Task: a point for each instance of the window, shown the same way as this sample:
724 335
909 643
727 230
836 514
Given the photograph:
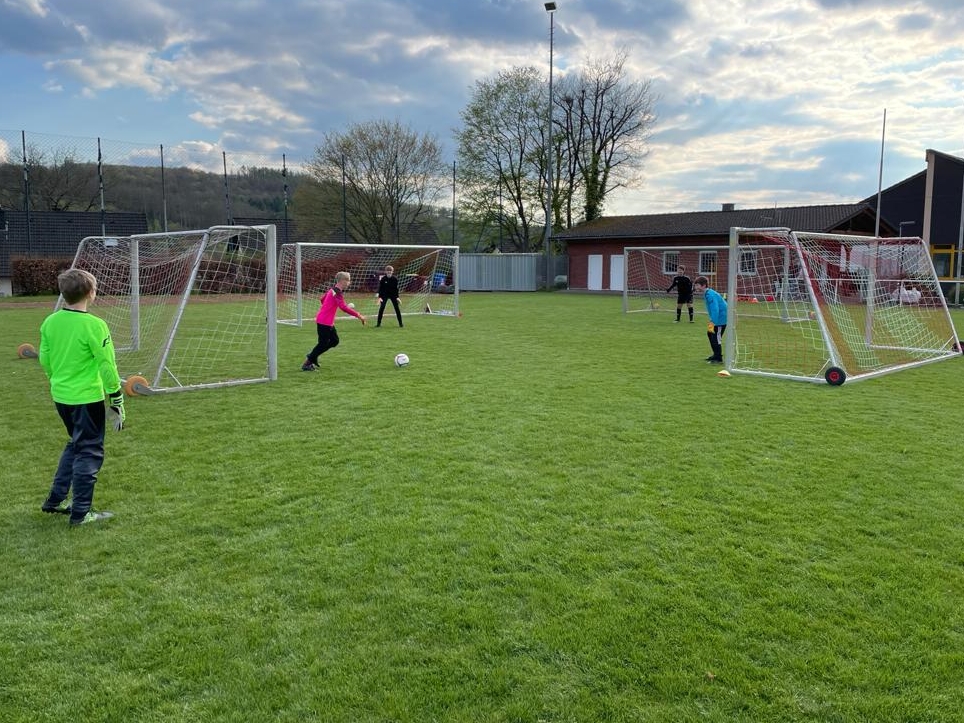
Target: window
943 261
707 263
670 262
748 263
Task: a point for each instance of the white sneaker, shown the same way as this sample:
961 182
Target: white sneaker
93 516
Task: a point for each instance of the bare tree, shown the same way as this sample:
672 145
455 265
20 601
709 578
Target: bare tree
388 174
603 123
61 183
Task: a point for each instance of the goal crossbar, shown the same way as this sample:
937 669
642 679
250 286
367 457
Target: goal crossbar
189 309
427 277
833 307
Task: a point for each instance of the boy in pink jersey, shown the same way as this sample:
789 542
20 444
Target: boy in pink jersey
331 302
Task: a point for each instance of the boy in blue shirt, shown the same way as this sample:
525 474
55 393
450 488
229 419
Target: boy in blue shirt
716 308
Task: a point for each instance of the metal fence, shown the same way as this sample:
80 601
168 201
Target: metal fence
173 186
186 186
510 272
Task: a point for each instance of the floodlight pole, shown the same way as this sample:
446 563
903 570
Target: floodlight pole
880 174
551 9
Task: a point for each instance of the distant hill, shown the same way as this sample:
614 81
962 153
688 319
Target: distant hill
190 198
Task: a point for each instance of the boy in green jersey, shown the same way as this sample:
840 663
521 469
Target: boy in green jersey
77 355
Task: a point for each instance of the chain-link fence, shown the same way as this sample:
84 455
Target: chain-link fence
115 188
190 185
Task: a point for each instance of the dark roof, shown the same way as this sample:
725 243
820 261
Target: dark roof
57 233
717 223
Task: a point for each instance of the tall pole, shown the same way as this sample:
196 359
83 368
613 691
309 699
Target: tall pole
960 249
100 183
284 176
227 192
551 9
880 175
163 190
26 187
344 201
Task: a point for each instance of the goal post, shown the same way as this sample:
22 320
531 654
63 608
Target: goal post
189 309
833 307
427 278
649 270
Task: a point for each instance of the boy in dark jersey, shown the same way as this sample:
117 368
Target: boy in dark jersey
684 292
388 291
77 356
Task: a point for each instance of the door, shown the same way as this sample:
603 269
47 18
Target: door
616 265
594 282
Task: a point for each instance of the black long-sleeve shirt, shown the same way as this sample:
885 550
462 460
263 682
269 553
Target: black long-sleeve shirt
682 284
388 287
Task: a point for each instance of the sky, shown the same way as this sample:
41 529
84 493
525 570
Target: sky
759 102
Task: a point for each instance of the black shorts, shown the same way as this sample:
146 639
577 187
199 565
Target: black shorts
684 298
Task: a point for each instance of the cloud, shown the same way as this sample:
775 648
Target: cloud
758 100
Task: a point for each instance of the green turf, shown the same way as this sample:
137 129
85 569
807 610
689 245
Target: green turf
557 512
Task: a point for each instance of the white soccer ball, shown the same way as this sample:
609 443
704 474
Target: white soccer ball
401 360
351 306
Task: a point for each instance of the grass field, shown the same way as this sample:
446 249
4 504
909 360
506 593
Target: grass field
557 512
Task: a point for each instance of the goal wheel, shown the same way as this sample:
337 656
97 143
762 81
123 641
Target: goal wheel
835 376
136 385
26 351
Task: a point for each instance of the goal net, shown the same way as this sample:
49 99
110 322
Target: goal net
831 307
649 271
188 309
427 278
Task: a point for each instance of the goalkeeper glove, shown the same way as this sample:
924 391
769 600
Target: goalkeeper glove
115 412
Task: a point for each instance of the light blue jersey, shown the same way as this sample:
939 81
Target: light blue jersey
715 307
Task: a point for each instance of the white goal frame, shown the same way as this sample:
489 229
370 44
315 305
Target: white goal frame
649 270
188 309
828 307
428 278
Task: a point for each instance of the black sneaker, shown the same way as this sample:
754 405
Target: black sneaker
61 508
711 357
714 360
308 367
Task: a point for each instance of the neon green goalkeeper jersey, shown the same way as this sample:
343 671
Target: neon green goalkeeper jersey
77 354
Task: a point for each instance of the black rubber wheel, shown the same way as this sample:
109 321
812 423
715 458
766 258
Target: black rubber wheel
835 376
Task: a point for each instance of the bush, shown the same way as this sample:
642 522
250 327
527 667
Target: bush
36 276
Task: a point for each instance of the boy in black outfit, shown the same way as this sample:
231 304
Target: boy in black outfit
684 292
388 291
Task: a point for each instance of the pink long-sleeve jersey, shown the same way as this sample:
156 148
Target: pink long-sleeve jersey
331 302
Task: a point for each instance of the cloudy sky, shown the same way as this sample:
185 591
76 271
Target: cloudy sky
761 102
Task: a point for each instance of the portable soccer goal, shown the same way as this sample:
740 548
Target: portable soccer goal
189 309
427 278
649 271
832 307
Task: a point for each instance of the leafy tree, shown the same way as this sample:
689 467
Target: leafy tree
501 167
